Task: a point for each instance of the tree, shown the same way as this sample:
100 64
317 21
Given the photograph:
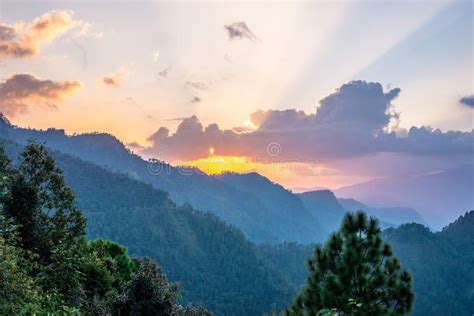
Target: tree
355 273
106 268
149 293
19 293
41 204
17 287
50 227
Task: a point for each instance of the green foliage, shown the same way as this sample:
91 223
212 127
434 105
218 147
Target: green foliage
115 259
17 287
20 293
356 273
47 267
50 227
147 293
442 265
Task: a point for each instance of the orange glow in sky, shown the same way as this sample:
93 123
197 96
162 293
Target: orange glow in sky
220 164
290 174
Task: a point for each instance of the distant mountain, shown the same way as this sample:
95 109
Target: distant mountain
215 264
257 218
303 189
442 265
287 209
440 197
461 233
324 206
389 216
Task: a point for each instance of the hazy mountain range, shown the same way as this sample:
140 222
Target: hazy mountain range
439 197
239 199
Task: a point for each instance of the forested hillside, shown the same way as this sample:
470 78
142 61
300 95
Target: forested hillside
213 262
255 217
324 206
48 267
441 263
287 210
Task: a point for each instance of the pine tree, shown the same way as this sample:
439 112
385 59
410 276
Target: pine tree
355 273
41 204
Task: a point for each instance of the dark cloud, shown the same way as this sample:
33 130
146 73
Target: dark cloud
239 30
358 103
21 91
468 101
241 129
191 140
349 123
164 72
195 99
6 32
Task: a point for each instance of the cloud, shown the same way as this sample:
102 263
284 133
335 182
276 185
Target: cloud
468 101
164 72
352 122
196 99
114 79
239 30
6 32
198 85
358 103
179 119
26 39
85 30
134 146
131 101
22 91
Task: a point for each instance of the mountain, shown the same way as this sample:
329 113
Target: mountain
442 265
303 189
214 263
439 196
235 205
461 234
389 216
287 209
324 206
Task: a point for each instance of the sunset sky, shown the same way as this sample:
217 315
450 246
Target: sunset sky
315 94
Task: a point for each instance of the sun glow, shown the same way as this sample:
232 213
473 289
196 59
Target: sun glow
213 165
289 173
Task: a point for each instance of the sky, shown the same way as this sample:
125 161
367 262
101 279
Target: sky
310 94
